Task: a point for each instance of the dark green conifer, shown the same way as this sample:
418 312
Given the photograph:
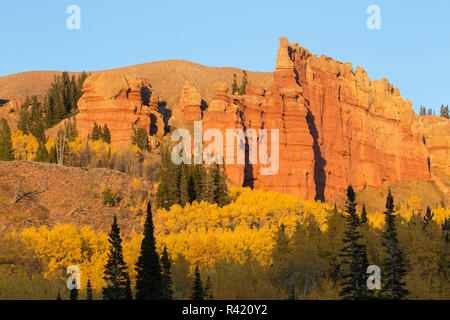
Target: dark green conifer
6 150
106 134
148 280
244 82
364 214
116 273
234 86
89 290
428 217
96 132
166 276
394 269
197 287
354 255
74 294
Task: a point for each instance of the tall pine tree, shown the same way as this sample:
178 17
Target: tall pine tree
6 150
115 274
197 287
149 284
394 267
89 295
166 276
354 255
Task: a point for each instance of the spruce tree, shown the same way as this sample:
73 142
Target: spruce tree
6 150
168 192
244 82
106 134
208 186
234 86
58 297
74 294
364 214
394 267
185 185
197 287
166 276
42 154
354 255
89 290
208 289
428 217
149 284
96 132
115 274
128 293
221 195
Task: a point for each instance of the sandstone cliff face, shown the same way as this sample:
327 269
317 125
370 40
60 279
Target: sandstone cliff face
337 127
189 107
437 140
118 101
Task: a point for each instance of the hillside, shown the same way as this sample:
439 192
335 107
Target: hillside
51 194
167 77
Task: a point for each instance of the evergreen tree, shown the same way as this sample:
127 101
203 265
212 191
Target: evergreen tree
244 82
140 138
282 269
208 186
221 195
149 284
234 86
42 154
422 111
445 112
6 150
53 155
185 185
106 135
166 276
394 267
428 217
364 214
208 289
353 253
96 132
89 290
168 192
128 293
74 294
58 297
115 274
197 288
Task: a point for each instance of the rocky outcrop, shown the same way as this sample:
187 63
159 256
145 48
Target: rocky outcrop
120 102
336 127
189 107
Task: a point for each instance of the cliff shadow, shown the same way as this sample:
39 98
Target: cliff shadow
166 115
320 177
145 95
249 178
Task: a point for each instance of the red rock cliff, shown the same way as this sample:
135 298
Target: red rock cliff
337 127
119 101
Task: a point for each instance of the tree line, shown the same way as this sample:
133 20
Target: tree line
153 280
182 184
444 111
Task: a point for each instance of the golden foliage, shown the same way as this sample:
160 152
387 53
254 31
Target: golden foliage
24 146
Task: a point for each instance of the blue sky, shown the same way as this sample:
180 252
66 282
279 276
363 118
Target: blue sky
411 49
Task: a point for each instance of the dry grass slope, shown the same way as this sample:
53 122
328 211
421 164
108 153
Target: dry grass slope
51 194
